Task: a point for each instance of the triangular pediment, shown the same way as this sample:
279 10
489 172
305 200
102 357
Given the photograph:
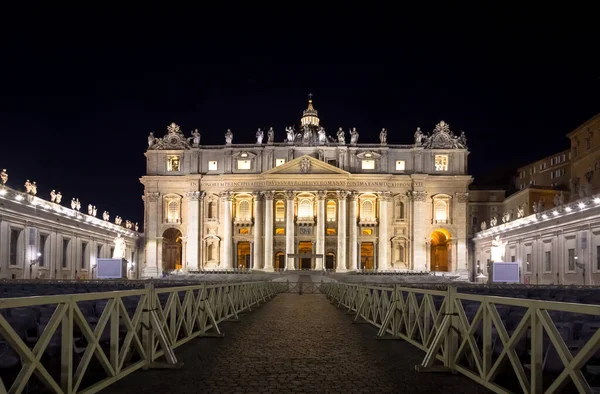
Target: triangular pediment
306 165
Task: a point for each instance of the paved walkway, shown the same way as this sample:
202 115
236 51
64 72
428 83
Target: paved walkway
295 344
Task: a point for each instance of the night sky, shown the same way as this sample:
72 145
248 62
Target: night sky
78 99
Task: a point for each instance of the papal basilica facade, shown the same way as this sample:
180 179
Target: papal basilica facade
307 201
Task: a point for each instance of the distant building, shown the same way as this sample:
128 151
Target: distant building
46 240
306 200
585 153
551 172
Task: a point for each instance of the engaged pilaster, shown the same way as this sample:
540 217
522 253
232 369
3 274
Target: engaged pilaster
289 229
384 242
152 268
321 219
257 228
268 245
341 249
353 232
420 236
192 200
226 199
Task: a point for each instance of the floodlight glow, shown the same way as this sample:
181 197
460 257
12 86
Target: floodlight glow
555 213
568 209
581 205
544 216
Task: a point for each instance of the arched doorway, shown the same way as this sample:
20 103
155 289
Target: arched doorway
243 254
440 250
171 250
330 261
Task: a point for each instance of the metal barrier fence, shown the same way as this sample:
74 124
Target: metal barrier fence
436 322
299 287
131 330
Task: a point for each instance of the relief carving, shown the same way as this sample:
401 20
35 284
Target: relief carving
153 196
462 197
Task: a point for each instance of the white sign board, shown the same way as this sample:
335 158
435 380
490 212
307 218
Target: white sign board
111 269
506 272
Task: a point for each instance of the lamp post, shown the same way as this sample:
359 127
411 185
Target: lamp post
32 263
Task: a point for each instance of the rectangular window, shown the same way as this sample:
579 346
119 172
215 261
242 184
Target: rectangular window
99 252
528 262
332 162
330 231
548 261
512 259
478 267
65 253
244 231
112 253
598 258
84 250
173 163
441 162
367 231
42 250
368 164
279 162
571 259
400 165
244 164
14 242
212 165
280 231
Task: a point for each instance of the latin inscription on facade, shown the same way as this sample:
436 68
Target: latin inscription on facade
229 184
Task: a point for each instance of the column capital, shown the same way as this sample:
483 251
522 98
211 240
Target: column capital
153 196
321 194
417 195
289 194
385 196
462 197
342 194
226 196
195 196
353 196
257 196
269 194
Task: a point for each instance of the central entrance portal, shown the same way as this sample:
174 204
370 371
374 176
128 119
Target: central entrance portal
366 256
243 254
304 247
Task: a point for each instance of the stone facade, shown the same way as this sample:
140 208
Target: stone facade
43 239
312 201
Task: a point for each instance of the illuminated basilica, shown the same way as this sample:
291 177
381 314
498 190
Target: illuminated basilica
304 199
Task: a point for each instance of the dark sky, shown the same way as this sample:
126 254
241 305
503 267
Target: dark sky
80 93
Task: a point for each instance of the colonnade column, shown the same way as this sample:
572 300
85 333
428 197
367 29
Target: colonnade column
268 245
320 228
353 242
257 228
341 248
201 233
226 199
420 236
383 255
289 229
193 221
152 213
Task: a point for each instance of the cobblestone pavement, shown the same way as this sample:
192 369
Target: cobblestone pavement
295 344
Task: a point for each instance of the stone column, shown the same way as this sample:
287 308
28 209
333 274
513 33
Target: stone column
353 232
420 236
257 228
341 247
227 261
289 229
268 245
460 218
184 253
201 232
193 222
153 215
321 221
384 245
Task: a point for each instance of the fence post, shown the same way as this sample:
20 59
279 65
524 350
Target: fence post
451 342
147 334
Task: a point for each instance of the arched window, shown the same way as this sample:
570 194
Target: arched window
441 211
367 210
212 210
244 213
173 212
331 211
305 209
279 211
399 210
